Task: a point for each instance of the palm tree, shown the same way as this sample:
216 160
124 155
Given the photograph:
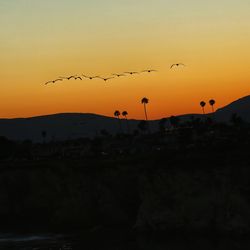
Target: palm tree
125 113
145 101
203 104
117 114
212 102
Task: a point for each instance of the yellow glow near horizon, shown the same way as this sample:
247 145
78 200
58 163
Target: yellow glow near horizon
43 40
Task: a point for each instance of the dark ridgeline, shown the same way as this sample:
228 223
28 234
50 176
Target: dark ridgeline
142 126
174 121
191 175
162 125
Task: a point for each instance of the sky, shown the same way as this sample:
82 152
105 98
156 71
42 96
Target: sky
42 40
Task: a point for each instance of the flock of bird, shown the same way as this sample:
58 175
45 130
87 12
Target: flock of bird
77 77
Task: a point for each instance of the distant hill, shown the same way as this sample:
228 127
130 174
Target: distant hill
74 125
62 126
240 107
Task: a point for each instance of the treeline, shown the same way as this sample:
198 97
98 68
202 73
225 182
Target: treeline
171 134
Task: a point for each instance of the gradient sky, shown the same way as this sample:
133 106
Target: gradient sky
41 40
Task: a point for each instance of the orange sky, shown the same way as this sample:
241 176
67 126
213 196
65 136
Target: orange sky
42 40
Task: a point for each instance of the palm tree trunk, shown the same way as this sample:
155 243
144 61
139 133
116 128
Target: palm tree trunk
146 116
212 108
203 110
145 110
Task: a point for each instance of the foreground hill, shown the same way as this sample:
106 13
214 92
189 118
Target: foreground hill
167 184
193 179
74 125
60 126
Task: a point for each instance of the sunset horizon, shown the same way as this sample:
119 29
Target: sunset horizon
42 41
141 116
124 124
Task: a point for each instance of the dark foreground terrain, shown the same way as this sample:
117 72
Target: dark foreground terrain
192 178
113 241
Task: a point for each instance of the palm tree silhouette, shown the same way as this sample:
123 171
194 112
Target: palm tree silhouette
145 101
203 104
212 102
117 114
125 113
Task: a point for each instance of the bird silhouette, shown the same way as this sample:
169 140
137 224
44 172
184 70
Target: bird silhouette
118 75
67 77
106 79
78 77
91 77
53 81
177 65
149 70
131 72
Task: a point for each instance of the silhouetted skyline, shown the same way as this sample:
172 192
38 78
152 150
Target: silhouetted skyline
44 40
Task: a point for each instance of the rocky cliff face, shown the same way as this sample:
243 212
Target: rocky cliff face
144 197
62 196
199 200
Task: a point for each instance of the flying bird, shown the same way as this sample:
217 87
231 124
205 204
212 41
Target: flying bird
177 65
118 75
106 79
78 77
91 77
149 70
131 72
67 77
53 81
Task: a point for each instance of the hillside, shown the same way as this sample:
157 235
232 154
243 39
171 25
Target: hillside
62 126
74 125
241 107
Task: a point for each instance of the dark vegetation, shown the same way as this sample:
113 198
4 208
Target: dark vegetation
192 176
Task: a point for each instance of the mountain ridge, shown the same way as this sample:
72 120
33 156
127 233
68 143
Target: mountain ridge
62 126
